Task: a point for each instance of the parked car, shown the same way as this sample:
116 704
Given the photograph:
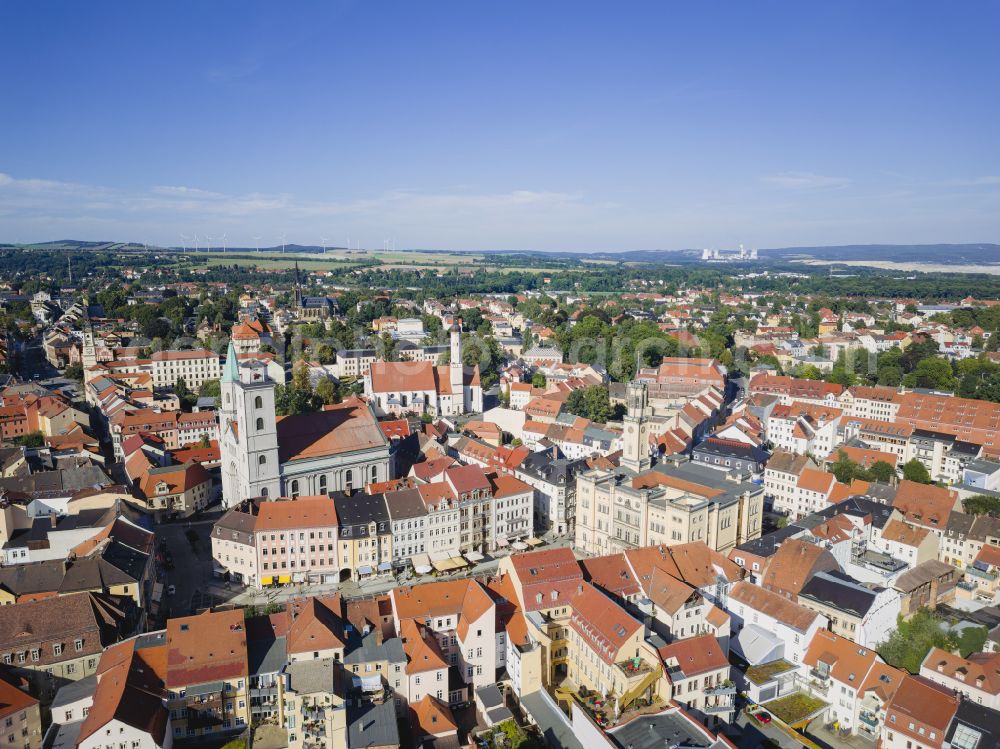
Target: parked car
763 717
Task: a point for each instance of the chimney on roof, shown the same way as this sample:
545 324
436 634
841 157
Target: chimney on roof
53 518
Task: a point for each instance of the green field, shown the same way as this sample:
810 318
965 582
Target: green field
266 260
334 259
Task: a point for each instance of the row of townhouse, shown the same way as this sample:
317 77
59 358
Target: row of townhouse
323 539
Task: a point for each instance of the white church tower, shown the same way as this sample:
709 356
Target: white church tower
249 437
456 369
635 442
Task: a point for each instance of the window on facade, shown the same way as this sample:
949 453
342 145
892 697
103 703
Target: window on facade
294 489
260 424
322 484
258 402
349 479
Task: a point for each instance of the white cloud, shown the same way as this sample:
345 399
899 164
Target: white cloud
805 181
988 180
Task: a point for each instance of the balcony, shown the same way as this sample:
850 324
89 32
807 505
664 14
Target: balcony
721 708
819 681
869 719
720 689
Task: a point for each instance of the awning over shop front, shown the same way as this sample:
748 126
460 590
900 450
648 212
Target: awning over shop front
439 556
364 569
502 542
421 563
473 556
452 563
284 579
519 545
266 580
532 541
384 567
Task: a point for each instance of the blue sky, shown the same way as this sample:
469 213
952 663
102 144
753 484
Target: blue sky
515 125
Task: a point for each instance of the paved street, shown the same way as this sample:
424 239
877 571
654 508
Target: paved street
192 572
32 364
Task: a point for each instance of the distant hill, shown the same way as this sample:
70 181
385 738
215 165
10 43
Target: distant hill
952 254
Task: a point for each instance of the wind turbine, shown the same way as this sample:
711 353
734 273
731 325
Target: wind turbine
283 237
224 235
256 241
184 242
195 242
208 243
323 240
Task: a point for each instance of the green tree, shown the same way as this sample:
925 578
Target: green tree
908 645
327 391
538 380
981 504
591 403
890 375
210 389
880 471
300 377
932 372
32 439
843 468
471 318
914 470
74 372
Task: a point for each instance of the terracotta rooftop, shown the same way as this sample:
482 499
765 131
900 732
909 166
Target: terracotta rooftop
342 428
206 647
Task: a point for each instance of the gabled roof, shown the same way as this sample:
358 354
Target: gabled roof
848 662
127 691
344 427
303 512
978 671
316 624
433 717
206 647
602 624
926 504
548 577
612 574
695 655
793 564
421 647
773 605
